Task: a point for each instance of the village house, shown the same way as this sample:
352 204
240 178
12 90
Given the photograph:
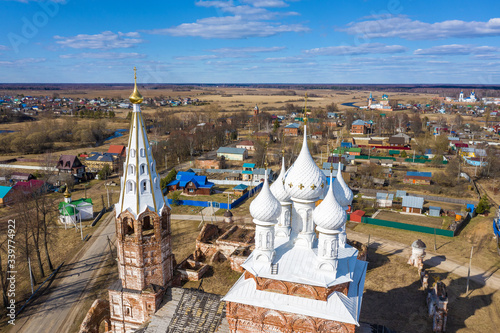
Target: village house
412 204
396 141
96 162
232 154
117 150
247 144
70 164
263 136
360 127
419 178
291 130
191 184
6 195
247 172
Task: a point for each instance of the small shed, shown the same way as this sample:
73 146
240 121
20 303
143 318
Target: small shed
400 194
356 216
413 204
385 199
240 189
434 211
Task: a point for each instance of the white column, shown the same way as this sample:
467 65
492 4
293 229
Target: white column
302 223
264 242
328 247
285 220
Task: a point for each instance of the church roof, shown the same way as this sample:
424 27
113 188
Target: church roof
338 307
342 192
305 180
329 215
265 207
278 187
140 183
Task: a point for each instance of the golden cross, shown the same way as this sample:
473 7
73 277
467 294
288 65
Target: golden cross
322 185
290 185
313 186
301 186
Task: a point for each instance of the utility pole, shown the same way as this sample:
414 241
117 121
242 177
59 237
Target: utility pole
107 191
468 272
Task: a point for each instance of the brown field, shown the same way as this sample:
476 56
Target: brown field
427 221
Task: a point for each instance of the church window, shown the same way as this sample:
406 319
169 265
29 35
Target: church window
130 186
131 169
132 152
146 224
143 152
143 169
129 226
128 311
144 186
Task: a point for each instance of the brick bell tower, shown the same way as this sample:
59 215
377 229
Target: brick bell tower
145 259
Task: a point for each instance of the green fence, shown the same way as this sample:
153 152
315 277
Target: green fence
411 160
409 227
366 157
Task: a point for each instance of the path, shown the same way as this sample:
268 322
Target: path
488 278
55 311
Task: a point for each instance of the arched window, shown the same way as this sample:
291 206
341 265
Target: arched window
146 224
132 152
143 152
143 169
129 226
130 186
144 186
131 169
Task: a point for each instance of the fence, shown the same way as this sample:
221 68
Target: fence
409 227
221 205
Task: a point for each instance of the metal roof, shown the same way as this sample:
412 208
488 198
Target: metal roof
418 174
230 150
413 202
4 190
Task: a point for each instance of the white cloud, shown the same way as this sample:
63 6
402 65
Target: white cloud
22 62
244 21
103 55
197 57
404 27
104 41
250 49
457 49
3 48
287 60
266 3
229 27
26 1
368 48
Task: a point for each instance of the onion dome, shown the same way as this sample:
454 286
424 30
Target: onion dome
135 97
265 207
329 215
342 192
304 180
418 244
278 187
67 193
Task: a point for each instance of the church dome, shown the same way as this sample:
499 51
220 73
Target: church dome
329 215
278 187
304 180
342 192
265 207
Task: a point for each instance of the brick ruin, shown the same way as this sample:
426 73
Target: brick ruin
98 314
220 242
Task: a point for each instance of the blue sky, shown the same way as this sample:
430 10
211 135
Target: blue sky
250 41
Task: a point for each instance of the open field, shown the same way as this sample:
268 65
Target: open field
427 221
392 284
